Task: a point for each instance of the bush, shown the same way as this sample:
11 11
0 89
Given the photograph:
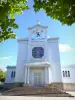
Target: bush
19 84
2 75
3 87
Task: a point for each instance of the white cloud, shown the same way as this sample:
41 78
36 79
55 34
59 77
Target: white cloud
48 36
3 67
5 58
64 48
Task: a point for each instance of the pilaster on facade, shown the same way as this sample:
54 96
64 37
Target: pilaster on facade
46 75
28 75
25 75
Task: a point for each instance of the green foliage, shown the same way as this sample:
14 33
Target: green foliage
8 9
62 10
2 75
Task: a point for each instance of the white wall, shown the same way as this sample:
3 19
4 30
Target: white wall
70 79
10 79
54 59
51 54
21 60
31 46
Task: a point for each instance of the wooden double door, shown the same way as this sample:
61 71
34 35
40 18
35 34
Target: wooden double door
38 77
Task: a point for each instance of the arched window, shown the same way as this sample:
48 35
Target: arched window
68 73
13 74
63 74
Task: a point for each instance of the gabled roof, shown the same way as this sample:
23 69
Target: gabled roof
38 24
11 67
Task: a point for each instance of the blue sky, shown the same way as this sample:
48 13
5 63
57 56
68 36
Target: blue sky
9 48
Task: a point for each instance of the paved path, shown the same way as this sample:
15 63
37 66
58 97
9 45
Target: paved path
34 98
72 93
37 98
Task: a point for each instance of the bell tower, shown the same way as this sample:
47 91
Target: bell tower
37 34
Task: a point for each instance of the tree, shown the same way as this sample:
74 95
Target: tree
2 75
8 9
62 10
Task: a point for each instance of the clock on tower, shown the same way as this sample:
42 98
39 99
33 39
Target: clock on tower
37 42
38 31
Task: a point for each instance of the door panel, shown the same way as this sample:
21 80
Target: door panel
37 77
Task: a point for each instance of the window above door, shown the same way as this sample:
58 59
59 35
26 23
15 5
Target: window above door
37 52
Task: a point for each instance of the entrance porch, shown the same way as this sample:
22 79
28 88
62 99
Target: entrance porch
37 74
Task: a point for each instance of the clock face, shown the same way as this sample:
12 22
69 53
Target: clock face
37 52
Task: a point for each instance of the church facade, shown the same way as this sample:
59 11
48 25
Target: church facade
38 60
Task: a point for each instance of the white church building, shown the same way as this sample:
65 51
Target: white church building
38 62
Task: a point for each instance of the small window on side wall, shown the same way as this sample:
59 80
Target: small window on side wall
66 73
13 74
63 74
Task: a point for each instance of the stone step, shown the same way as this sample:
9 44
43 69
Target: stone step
37 91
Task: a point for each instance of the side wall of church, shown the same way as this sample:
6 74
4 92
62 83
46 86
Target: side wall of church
68 77
9 78
21 59
54 59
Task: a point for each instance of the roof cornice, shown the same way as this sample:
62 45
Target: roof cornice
42 39
11 67
30 28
